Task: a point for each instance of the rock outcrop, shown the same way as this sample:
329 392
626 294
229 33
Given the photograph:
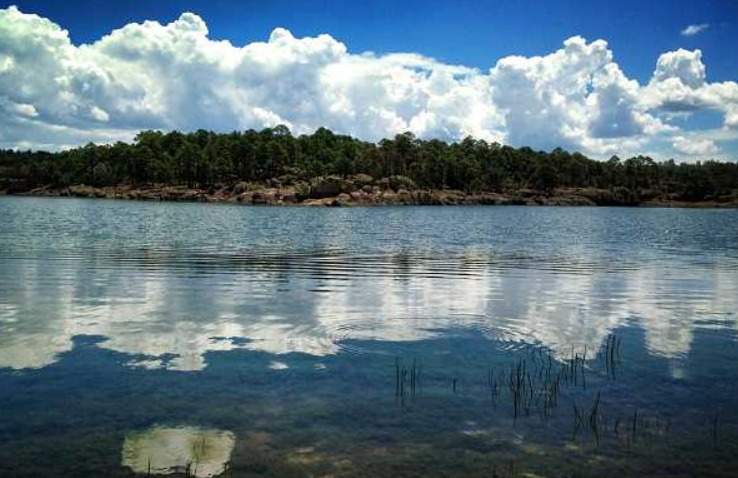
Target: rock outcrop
363 190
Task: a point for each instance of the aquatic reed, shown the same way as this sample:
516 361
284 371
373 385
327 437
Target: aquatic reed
407 378
714 424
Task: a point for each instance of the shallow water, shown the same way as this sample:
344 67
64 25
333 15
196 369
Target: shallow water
368 341
163 451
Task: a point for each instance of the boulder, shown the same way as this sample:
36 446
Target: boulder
330 186
316 202
426 198
388 197
402 182
81 191
285 180
240 188
343 199
362 180
383 184
405 197
396 183
288 198
258 199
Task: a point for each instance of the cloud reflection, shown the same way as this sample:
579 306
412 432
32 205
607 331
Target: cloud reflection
294 306
194 451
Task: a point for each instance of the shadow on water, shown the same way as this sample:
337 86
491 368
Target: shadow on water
461 406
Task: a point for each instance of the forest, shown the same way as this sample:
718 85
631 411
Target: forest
204 159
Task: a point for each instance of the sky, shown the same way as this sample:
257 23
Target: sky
600 77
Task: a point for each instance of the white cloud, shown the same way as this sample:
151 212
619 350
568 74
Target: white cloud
731 116
698 147
679 87
682 65
692 30
148 75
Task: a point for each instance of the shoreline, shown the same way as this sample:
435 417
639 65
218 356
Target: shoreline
342 193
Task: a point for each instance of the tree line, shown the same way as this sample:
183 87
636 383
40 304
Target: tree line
204 159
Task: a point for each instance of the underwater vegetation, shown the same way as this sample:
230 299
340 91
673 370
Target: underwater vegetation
399 411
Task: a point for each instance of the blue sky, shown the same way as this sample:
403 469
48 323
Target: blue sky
469 32
473 34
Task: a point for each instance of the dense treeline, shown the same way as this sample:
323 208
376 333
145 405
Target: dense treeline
205 159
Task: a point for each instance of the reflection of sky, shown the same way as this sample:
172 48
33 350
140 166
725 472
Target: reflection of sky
160 312
161 279
194 451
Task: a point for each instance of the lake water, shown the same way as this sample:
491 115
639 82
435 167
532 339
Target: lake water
414 341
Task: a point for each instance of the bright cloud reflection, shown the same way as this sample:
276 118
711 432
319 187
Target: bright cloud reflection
160 313
194 451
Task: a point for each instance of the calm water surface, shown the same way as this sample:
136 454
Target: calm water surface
147 338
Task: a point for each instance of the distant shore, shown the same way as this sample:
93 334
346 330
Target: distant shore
337 192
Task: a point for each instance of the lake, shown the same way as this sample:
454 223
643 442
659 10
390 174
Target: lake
151 338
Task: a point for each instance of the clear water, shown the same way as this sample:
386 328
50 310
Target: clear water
482 341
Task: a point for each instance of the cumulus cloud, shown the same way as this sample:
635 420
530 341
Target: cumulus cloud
54 94
679 86
692 30
698 147
681 65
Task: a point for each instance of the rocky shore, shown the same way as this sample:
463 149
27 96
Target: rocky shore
362 190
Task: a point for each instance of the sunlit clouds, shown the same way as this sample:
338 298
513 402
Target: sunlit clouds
54 94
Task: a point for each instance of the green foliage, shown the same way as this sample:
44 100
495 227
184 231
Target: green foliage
205 159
